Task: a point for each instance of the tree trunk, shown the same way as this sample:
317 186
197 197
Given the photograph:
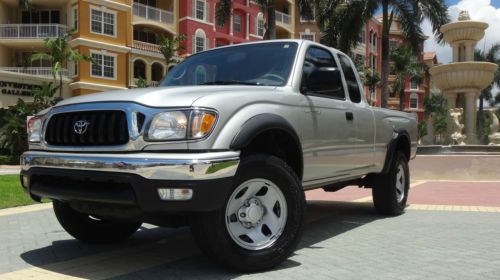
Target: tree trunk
385 53
60 85
271 24
480 119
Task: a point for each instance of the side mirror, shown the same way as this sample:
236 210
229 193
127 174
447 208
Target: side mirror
323 80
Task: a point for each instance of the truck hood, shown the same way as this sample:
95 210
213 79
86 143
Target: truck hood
162 96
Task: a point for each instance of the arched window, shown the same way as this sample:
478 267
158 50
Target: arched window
139 69
260 24
199 41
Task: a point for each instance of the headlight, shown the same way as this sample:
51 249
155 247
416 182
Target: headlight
168 126
181 125
35 130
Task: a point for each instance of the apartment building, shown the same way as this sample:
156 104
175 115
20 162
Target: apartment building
121 35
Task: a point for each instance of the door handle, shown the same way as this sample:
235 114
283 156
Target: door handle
349 116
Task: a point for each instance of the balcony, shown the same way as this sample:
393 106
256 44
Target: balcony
144 14
146 49
42 72
29 34
284 19
31 31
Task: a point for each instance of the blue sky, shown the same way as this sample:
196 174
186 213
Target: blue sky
495 3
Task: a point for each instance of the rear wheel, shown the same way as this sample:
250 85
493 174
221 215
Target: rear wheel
90 229
261 221
390 191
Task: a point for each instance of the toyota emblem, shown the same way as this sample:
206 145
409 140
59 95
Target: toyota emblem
80 127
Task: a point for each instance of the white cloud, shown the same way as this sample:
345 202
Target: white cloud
480 10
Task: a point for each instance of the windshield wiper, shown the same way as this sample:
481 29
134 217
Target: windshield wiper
232 82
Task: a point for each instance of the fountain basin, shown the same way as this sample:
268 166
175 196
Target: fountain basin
463 75
463 31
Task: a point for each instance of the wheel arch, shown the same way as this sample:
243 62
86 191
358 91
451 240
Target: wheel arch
399 142
273 134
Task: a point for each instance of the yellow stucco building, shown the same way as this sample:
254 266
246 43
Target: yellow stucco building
115 33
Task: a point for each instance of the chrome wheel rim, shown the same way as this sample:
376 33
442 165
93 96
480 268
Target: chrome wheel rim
256 214
400 183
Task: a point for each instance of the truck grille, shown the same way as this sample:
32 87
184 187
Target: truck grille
87 128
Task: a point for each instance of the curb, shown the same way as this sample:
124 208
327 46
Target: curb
458 150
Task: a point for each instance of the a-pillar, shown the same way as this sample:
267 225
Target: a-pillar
470 116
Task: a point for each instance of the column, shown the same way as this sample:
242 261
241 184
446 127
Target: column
148 73
469 51
455 53
231 23
452 99
470 116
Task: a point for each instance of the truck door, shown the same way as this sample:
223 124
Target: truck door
327 131
362 116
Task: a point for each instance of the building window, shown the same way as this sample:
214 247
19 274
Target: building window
414 84
75 18
373 62
311 17
103 22
260 24
104 66
361 37
307 36
237 23
414 101
200 9
393 45
199 41
374 42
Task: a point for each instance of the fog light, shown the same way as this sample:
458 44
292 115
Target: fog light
26 181
175 194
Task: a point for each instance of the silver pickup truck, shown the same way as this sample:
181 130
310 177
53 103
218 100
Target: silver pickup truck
227 144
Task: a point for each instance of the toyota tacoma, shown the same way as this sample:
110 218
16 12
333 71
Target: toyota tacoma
227 144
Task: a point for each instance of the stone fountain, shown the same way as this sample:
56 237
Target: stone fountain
462 80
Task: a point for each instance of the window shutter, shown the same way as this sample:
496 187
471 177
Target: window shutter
193 3
207 12
193 43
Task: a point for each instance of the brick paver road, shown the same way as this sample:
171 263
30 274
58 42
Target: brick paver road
450 231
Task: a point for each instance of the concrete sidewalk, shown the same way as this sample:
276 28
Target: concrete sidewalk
9 169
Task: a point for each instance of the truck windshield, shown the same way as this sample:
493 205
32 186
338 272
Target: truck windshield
265 64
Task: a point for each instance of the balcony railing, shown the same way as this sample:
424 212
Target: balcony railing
283 18
31 31
35 71
153 13
143 46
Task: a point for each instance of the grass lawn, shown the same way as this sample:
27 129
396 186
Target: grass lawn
11 192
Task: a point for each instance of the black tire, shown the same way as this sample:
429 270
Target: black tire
90 230
386 195
211 233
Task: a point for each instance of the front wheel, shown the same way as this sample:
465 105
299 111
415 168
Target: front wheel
261 222
90 229
390 191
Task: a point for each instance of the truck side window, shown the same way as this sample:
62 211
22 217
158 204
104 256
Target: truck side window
350 79
320 58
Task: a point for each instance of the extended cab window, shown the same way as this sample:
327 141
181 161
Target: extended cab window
315 59
350 79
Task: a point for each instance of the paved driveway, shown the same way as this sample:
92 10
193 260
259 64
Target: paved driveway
450 231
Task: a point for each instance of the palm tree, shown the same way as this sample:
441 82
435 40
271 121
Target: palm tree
59 53
267 6
342 21
169 47
404 66
493 56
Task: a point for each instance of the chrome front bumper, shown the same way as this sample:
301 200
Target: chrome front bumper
160 166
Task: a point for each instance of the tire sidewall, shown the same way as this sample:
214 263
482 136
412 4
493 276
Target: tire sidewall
400 160
276 171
